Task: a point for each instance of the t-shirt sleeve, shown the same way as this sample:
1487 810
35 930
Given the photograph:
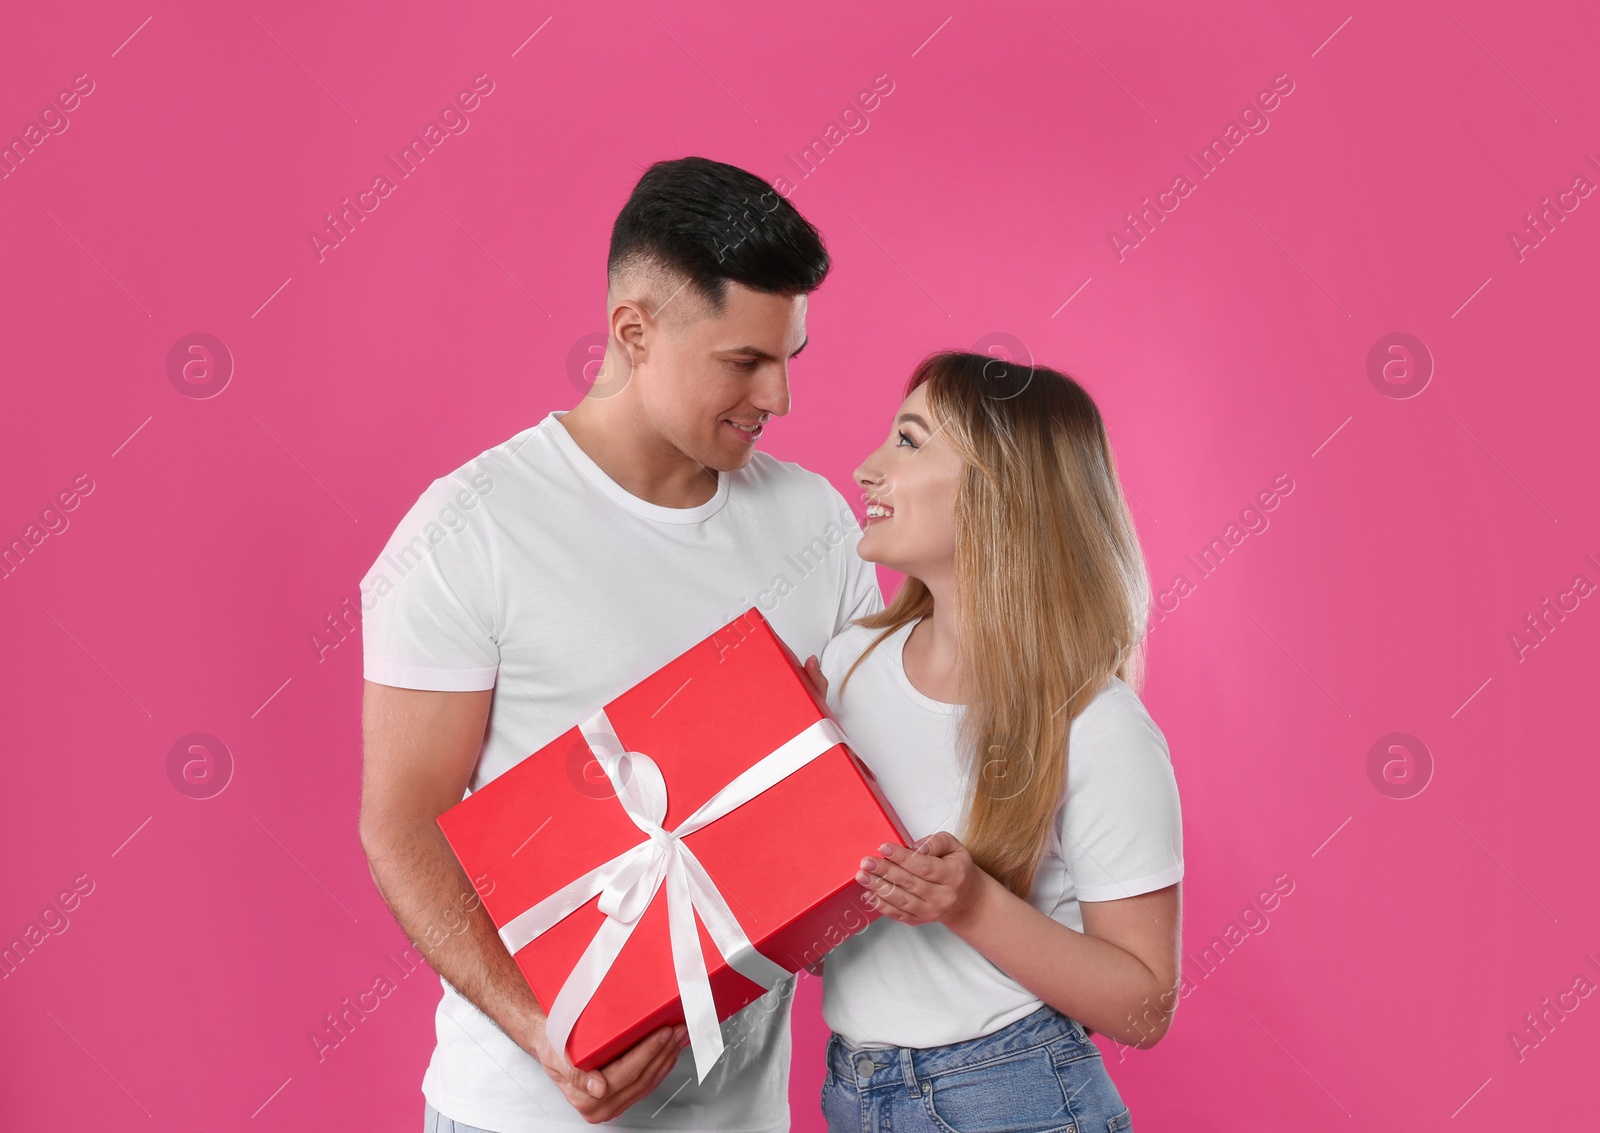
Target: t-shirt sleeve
428 603
860 594
1121 825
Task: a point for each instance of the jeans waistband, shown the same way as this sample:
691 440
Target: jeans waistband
1042 1026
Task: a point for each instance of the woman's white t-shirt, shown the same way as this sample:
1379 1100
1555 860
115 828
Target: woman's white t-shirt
1118 834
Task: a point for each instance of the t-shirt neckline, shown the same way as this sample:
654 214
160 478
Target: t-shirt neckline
644 508
917 696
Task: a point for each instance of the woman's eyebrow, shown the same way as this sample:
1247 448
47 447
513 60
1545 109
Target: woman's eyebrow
913 419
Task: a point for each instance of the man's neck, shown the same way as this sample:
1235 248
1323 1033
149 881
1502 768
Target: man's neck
631 451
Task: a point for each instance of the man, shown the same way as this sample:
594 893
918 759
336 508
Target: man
554 571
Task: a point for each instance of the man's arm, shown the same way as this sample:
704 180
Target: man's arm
419 749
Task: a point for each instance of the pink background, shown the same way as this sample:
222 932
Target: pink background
1230 348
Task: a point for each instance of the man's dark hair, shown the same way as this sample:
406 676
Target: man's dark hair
714 222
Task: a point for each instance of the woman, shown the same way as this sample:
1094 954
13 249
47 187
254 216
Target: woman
967 1006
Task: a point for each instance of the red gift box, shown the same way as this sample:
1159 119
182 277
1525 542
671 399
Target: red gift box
783 862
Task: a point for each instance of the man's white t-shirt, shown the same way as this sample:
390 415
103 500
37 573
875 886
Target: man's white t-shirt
530 571
1118 834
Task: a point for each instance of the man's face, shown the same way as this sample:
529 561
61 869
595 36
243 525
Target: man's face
710 382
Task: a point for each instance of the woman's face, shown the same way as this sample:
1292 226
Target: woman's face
909 485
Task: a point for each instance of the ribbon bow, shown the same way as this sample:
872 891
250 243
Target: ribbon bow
628 883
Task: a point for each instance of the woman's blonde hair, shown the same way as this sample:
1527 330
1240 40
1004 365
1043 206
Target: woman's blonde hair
1052 593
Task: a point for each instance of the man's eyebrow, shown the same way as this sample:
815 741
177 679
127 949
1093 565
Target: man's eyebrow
757 352
913 419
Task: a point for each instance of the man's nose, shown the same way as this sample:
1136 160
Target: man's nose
772 395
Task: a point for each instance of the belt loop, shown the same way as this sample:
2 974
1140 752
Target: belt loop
908 1072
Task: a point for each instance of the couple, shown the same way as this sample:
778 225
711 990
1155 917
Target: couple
1040 901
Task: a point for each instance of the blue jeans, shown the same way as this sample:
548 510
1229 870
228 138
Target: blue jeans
1040 1074
435 1122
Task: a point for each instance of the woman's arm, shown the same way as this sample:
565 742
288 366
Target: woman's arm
1119 976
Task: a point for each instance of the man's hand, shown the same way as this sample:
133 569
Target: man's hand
936 881
601 1094
420 748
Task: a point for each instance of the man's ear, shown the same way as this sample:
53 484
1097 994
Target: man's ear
629 326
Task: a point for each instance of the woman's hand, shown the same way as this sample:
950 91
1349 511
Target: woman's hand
934 881
813 669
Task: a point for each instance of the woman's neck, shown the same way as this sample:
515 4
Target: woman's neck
932 655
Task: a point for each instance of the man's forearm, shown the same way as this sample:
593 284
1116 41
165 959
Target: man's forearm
440 911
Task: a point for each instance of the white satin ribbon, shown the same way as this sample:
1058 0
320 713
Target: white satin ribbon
628 883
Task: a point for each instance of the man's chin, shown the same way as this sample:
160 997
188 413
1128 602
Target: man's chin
724 459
